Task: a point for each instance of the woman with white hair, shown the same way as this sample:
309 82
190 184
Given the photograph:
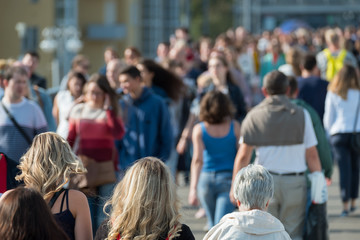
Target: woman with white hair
253 190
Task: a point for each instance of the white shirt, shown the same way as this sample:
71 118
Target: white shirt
339 115
289 158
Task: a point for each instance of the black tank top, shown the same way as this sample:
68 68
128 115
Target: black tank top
65 219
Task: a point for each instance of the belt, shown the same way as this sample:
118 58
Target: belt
288 174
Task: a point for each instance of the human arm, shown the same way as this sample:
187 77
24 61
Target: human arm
186 134
115 124
237 129
312 159
242 159
329 112
55 110
196 164
72 131
79 207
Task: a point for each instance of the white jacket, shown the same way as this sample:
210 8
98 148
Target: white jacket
248 225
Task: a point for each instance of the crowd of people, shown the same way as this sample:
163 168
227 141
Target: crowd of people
246 117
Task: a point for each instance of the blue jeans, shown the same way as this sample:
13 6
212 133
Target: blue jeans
213 192
349 165
96 204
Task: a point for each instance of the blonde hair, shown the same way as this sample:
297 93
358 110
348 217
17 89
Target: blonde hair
345 79
144 204
48 163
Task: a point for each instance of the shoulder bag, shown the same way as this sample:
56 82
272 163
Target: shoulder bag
16 124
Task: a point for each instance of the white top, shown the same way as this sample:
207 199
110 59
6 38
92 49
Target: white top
339 115
65 103
289 158
249 225
287 69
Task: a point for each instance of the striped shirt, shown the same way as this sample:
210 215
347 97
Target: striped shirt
31 119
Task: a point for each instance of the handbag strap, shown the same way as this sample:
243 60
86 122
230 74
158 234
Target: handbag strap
27 138
357 114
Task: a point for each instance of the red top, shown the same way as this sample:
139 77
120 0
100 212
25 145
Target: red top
3 173
96 134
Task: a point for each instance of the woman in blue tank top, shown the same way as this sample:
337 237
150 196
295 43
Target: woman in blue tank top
215 141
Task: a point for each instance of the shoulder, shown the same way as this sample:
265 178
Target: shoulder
76 199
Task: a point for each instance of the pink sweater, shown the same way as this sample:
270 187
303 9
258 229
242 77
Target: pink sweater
94 131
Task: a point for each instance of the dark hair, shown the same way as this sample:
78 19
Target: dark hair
33 54
171 83
25 215
9 73
275 83
132 71
293 84
215 107
77 75
102 82
308 62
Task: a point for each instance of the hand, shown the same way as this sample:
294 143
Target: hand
107 102
328 181
192 199
181 146
80 99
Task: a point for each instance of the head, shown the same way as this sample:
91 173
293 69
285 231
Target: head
110 54
218 67
15 83
113 69
332 38
48 163
96 90
205 46
308 62
130 80
153 74
132 56
275 83
31 60
347 78
215 107
144 202
25 215
81 64
76 83
162 50
182 33
253 188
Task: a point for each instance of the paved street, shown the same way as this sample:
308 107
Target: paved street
340 228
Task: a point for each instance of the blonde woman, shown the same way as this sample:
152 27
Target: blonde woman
144 206
46 167
341 103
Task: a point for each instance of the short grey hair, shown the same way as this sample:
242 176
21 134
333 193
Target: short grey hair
253 187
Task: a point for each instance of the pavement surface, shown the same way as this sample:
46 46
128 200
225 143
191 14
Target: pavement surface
340 228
